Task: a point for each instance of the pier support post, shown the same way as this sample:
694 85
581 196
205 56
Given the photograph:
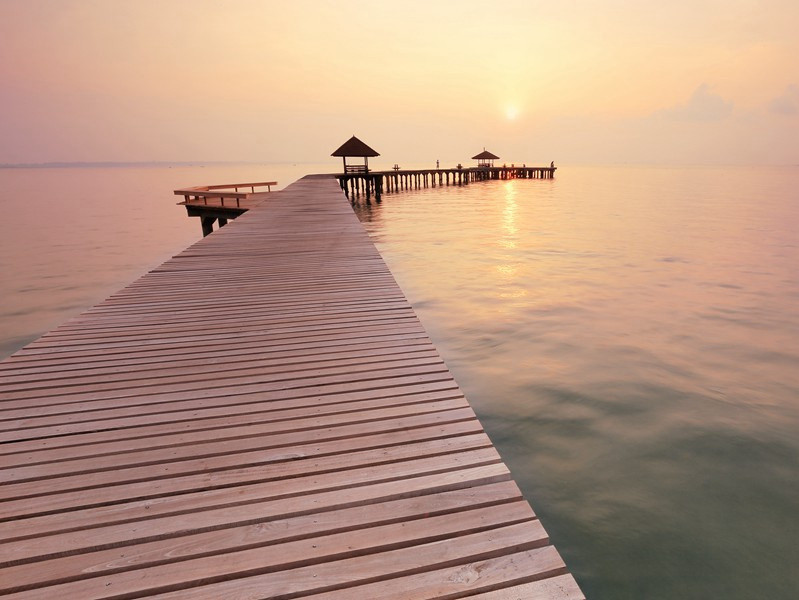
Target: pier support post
207 225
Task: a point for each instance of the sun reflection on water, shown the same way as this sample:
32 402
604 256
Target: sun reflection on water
509 268
510 272
509 215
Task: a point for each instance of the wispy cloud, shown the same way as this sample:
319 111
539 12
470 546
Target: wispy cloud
786 104
703 105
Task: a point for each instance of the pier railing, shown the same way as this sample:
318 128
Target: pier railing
377 182
201 194
195 199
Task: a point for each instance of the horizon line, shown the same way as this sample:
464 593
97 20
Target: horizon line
195 163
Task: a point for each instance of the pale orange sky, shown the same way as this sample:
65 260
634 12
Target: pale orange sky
577 82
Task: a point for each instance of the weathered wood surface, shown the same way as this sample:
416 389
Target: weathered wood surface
262 416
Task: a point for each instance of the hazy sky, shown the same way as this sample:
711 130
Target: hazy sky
676 81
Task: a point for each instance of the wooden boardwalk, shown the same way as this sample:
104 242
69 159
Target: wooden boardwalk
262 416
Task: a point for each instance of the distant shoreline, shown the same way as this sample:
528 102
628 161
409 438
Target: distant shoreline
209 163
108 164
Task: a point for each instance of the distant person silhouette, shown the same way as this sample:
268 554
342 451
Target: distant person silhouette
436 163
552 165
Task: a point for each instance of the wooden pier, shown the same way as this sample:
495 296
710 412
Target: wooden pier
375 183
208 202
262 416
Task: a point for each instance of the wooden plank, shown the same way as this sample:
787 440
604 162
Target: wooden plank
232 426
197 376
347 573
92 564
249 444
185 411
20 495
156 518
539 566
63 363
42 379
562 587
204 422
323 564
168 396
356 535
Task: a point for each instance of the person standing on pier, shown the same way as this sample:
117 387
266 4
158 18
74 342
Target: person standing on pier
436 163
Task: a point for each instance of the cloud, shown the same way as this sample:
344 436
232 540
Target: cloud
786 104
703 105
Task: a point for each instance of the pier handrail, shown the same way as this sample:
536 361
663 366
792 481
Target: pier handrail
203 192
462 169
207 188
236 186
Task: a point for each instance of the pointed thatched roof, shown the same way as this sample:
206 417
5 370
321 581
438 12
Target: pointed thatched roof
485 154
354 147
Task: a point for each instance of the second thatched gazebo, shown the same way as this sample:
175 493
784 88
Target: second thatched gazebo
485 159
355 147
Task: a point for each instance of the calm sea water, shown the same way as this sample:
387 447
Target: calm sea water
628 336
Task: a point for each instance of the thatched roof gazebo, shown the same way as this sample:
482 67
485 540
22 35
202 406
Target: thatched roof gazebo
485 159
355 147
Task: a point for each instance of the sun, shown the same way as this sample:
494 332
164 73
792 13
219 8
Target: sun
511 112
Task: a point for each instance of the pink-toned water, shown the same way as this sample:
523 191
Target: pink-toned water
628 336
72 236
